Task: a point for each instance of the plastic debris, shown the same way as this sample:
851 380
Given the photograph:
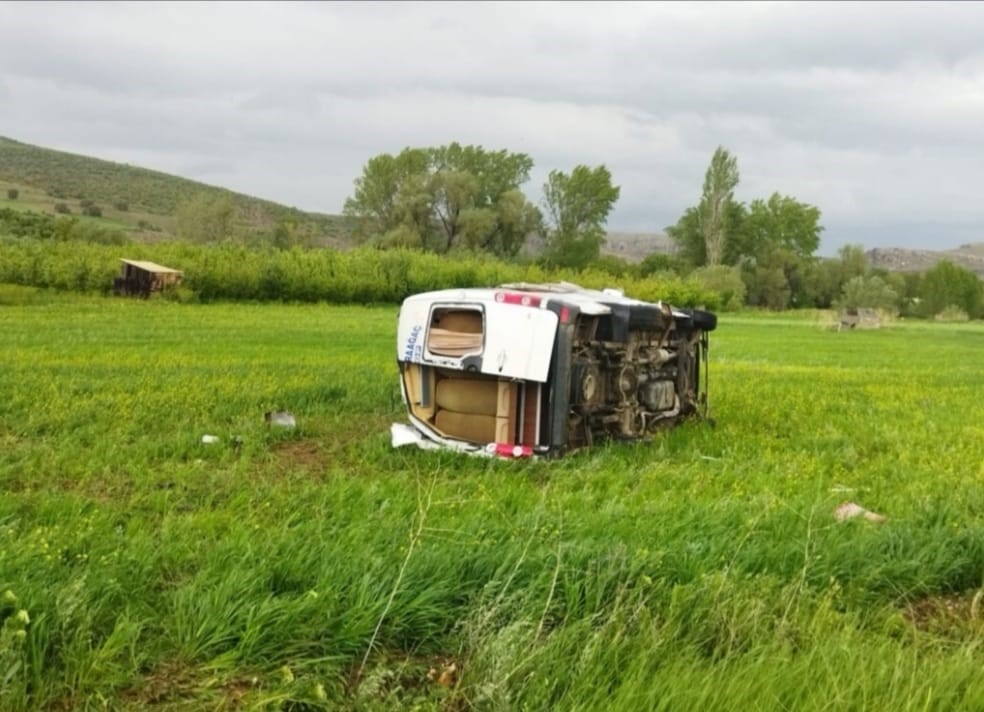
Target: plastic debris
405 435
851 510
210 439
281 418
446 675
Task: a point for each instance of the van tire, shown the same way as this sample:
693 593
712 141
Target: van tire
705 320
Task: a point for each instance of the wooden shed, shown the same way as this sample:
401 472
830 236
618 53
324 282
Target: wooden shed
138 278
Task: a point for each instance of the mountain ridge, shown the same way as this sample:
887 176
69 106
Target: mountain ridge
898 259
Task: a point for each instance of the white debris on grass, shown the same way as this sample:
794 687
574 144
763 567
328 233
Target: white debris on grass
282 418
851 510
403 435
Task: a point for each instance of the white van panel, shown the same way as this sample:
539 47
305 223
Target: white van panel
411 331
519 341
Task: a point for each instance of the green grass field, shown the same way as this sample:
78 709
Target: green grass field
320 569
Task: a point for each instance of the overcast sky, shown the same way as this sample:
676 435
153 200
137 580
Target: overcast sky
872 112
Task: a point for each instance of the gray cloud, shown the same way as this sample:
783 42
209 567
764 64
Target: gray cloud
870 111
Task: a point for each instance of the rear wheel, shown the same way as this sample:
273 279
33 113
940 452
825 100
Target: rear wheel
705 320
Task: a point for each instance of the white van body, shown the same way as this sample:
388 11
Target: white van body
526 369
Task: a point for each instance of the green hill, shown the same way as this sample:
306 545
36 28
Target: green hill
145 203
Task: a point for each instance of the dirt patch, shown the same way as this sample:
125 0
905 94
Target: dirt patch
170 681
174 685
63 704
410 676
351 432
301 454
947 614
235 693
327 443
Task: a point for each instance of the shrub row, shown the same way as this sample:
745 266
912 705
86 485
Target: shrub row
232 272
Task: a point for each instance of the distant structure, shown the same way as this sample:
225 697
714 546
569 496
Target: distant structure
141 279
859 318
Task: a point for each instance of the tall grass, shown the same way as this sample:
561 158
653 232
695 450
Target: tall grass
317 568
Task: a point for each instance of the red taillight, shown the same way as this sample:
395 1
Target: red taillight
507 450
565 315
518 298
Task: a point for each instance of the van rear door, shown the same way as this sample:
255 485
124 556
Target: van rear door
519 341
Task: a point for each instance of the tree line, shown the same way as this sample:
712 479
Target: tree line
468 200
762 253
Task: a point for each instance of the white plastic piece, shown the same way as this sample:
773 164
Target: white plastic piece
210 439
402 435
282 418
850 510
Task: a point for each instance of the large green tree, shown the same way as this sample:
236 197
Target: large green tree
446 197
830 275
778 236
795 274
207 218
868 291
852 262
780 221
503 228
688 235
721 230
688 239
947 284
576 207
391 193
704 231
772 240
767 286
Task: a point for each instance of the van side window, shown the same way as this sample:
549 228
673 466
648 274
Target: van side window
455 332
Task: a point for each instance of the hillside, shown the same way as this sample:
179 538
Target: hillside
144 202
897 259
636 246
